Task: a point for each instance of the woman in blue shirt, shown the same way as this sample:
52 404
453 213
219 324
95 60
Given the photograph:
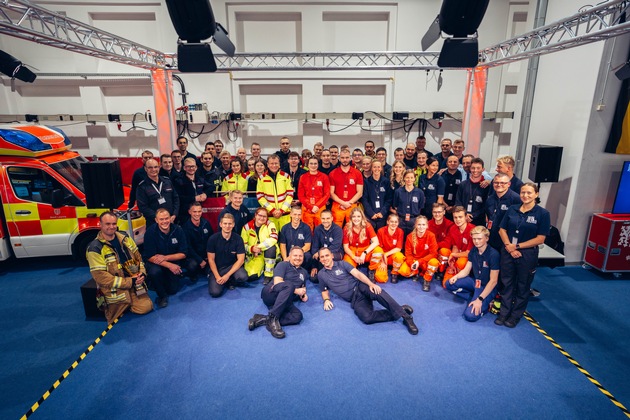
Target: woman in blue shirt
523 228
433 186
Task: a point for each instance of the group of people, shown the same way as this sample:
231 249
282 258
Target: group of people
344 219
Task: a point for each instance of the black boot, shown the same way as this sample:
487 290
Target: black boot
411 326
258 320
274 327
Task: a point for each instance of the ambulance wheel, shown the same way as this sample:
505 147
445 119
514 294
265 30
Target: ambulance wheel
81 244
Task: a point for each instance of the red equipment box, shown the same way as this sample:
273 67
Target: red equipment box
608 245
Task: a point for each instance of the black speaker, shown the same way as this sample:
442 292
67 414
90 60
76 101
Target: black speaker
623 72
88 295
103 184
544 165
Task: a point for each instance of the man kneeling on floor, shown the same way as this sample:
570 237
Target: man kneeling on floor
166 250
353 286
477 281
289 285
117 269
226 255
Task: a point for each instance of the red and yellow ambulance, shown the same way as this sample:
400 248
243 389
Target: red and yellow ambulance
42 195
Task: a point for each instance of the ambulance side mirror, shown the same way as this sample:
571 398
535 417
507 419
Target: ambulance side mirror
57 198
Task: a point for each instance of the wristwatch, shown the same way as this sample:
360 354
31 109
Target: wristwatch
480 298
518 246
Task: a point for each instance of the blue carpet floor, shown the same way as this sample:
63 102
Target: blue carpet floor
43 328
589 314
196 358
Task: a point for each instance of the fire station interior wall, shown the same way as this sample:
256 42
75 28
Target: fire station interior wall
569 86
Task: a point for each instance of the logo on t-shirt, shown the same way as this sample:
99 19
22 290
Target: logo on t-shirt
338 272
504 207
478 199
174 241
531 219
485 264
301 276
465 241
414 199
351 181
319 184
300 236
431 187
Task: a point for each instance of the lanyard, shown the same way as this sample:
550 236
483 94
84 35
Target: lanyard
479 267
156 190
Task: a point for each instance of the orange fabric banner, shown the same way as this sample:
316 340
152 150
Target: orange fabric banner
162 83
474 102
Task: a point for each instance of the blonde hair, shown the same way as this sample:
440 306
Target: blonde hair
363 225
480 230
414 235
392 177
507 160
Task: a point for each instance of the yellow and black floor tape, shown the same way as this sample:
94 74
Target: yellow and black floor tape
577 365
64 375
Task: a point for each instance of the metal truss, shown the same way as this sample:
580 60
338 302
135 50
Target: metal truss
604 21
25 20
21 19
377 60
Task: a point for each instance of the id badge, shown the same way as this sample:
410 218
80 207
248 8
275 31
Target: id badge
377 205
514 240
312 201
450 197
345 195
407 217
489 224
469 208
161 200
477 284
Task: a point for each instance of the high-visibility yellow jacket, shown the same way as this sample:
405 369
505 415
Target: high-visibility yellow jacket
234 182
276 194
266 237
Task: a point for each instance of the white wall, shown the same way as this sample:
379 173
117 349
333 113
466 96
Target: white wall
256 26
569 85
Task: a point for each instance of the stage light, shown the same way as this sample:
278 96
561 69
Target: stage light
14 68
459 20
194 22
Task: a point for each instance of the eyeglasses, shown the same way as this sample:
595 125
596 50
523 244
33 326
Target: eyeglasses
264 216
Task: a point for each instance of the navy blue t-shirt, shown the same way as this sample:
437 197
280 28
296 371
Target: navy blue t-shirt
528 225
482 264
295 275
225 250
158 242
295 237
338 279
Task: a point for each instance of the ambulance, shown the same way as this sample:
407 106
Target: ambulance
43 210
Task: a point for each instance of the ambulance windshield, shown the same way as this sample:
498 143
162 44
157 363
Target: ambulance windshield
71 170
